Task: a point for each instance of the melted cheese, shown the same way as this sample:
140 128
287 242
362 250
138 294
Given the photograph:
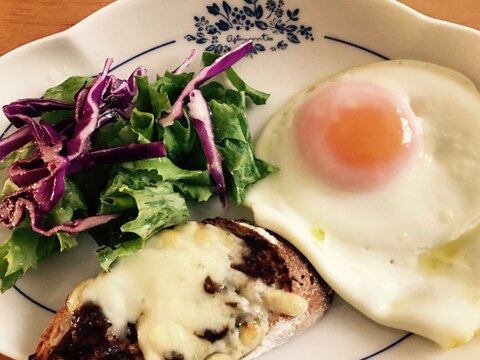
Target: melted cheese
163 289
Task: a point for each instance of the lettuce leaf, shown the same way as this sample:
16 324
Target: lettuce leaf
107 256
194 184
172 84
258 97
235 144
71 204
22 251
150 98
155 202
65 91
159 206
25 248
118 133
23 153
8 187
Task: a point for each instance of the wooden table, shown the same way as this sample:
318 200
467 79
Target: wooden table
22 21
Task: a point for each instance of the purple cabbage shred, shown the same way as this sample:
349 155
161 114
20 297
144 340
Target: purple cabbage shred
219 65
200 115
41 179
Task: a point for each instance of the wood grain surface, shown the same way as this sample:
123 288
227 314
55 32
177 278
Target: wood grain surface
22 21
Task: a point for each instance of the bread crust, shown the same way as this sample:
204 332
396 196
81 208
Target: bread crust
270 258
292 272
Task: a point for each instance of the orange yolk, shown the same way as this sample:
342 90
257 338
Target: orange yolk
367 136
354 134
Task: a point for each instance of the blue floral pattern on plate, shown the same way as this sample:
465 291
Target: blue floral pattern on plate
269 23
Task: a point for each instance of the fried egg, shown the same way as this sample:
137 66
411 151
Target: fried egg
379 187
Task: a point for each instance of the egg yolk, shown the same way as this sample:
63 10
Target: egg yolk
356 135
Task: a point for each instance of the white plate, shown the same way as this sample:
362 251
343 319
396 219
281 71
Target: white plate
329 36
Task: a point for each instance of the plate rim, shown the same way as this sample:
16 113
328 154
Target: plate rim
68 34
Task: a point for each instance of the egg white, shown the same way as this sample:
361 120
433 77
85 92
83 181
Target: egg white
381 249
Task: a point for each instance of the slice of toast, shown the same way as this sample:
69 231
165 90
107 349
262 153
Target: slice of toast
269 294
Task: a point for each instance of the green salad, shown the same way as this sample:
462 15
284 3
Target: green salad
121 159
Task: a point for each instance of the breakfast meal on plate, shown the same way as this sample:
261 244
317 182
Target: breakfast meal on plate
388 157
218 289
369 176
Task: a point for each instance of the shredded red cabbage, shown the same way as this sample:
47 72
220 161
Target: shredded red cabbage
99 104
200 115
119 154
19 112
218 66
42 178
39 197
87 111
186 63
119 93
15 141
75 226
26 172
